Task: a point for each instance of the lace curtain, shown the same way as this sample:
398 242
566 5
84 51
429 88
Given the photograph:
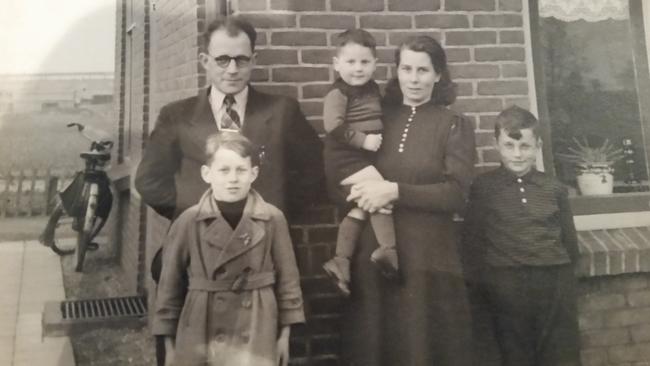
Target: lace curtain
589 10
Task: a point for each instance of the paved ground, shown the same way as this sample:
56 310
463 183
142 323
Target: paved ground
30 275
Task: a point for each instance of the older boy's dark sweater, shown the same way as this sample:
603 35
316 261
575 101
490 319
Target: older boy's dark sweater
520 221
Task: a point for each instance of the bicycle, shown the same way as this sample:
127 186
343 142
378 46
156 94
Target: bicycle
87 199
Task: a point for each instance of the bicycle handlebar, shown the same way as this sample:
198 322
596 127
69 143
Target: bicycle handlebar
80 128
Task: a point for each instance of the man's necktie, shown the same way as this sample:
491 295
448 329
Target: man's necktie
230 119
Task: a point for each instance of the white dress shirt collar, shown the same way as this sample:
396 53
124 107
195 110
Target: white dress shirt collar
216 102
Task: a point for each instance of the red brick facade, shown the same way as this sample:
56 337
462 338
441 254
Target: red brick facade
615 320
486 45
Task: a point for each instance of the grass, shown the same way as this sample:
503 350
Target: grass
41 139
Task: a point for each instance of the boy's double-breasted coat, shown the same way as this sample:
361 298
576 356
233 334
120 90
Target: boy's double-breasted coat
243 285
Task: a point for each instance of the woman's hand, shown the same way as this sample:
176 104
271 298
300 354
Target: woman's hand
372 196
283 346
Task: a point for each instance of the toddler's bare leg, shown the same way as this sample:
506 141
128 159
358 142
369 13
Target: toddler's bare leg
338 268
385 257
367 173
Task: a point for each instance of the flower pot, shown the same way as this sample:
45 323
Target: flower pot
592 184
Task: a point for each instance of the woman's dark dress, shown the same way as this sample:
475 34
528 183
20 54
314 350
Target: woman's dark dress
423 319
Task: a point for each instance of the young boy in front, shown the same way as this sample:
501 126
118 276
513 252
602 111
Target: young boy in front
352 120
229 288
522 240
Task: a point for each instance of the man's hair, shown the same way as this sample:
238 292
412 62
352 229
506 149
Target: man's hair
232 141
233 25
356 36
514 119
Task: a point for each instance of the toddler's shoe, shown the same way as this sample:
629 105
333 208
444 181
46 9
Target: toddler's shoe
338 269
386 260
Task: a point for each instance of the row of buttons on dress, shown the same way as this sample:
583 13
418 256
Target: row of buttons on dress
522 190
406 130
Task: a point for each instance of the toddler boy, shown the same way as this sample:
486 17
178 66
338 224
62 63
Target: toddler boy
352 119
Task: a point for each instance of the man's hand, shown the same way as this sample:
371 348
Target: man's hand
372 142
283 346
170 351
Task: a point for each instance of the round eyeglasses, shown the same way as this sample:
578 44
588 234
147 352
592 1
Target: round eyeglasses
223 61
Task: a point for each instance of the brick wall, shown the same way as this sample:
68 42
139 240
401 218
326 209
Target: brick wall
176 74
132 73
120 84
484 40
316 342
615 320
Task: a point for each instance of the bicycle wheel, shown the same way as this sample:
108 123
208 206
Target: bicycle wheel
87 220
47 237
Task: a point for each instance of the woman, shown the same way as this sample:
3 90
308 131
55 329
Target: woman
427 158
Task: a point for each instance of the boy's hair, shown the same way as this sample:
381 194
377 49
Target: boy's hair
513 120
232 141
233 25
357 36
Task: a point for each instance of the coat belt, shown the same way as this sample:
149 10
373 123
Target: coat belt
250 282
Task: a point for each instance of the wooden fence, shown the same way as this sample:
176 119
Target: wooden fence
31 191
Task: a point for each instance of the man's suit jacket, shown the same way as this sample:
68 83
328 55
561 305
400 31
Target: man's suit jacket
168 177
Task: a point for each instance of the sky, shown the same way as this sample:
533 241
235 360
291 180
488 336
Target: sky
49 36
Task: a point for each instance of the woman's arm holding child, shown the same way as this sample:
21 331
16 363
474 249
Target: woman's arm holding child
449 195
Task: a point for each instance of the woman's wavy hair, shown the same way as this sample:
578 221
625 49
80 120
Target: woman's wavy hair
444 91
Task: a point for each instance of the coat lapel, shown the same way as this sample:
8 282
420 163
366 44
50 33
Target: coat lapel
247 235
223 244
202 123
257 117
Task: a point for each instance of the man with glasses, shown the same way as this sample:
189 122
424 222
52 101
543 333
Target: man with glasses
168 177
291 171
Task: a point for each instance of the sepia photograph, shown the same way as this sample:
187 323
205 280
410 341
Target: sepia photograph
325 183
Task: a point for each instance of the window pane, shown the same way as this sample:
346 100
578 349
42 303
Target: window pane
589 74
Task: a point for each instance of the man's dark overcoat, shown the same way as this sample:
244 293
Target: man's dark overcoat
168 177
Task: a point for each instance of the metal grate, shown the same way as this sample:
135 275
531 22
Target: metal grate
132 306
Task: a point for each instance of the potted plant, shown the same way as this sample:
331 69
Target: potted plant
593 166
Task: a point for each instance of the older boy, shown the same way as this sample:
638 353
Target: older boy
523 243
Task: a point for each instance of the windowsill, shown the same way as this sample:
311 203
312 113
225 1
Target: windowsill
611 203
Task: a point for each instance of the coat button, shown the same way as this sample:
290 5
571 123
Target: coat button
245 337
247 303
219 336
